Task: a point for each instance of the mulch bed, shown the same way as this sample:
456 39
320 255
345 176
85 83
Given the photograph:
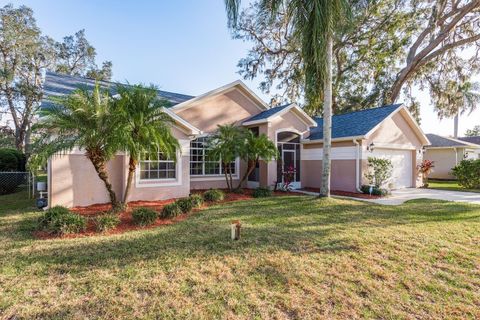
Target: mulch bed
126 221
345 193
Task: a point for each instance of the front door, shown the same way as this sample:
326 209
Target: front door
289 163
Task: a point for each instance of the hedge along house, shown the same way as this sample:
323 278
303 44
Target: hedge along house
387 132
447 153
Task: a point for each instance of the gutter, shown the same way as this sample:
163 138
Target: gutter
357 165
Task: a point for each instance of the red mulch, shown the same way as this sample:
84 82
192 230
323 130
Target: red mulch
126 223
346 193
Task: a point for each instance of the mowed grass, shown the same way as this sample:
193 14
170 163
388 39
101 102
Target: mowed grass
299 258
450 185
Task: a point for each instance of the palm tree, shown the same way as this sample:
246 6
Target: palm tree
314 23
225 146
83 119
146 128
255 148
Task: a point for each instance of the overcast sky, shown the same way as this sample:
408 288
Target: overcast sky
182 46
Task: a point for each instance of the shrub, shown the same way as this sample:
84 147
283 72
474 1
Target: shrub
106 221
425 168
213 195
170 210
376 191
262 192
59 220
379 171
197 200
68 223
50 215
185 204
144 216
467 173
12 160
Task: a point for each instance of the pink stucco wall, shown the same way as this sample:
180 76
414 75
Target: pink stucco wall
231 107
342 174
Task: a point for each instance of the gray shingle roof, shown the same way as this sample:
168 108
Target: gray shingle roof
437 141
267 113
475 140
60 84
352 124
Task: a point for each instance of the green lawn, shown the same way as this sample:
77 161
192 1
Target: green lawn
448 185
299 258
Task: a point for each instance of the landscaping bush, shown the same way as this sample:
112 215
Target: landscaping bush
197 200
185 204
59 220
144 216
106 221
467 173
12 160
170 210
69 223
379 171
213 195
262 192
50 215
376 191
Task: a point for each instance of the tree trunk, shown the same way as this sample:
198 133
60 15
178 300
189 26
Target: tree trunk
132 166
327 124
455 126
250 167
100 167
226 176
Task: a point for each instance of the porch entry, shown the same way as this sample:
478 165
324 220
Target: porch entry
289 164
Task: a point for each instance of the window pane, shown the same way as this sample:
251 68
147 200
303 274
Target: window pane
153 174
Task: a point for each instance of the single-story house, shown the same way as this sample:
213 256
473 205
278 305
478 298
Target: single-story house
475 140
388 131
447 153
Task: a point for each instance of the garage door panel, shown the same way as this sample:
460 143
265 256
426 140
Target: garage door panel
402 166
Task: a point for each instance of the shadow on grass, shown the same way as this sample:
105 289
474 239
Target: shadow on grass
297 224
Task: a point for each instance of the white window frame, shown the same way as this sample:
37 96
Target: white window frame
204 176
163 182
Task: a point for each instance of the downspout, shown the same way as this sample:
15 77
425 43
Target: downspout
357 165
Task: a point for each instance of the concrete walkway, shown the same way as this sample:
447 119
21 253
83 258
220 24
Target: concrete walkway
400 196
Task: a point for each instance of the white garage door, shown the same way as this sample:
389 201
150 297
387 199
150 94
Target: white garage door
402 166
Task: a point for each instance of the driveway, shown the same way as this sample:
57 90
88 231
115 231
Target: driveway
400 196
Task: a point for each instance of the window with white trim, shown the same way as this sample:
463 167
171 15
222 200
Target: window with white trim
157 167
200 165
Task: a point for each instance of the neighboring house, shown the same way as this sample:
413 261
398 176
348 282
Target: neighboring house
388 131
447 153
474 140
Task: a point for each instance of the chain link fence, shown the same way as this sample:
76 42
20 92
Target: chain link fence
13 181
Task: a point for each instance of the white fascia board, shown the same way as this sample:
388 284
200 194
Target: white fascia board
308 141
420 134
229 86
193 130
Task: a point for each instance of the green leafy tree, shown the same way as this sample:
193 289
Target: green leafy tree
145 127
313 24
85 120
76 56
474 132
387 49
225 145
253 149
24 52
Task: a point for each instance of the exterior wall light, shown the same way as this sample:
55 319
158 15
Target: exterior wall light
370 147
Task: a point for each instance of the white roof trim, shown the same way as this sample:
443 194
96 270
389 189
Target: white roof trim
308 141
419 132
238 83
309 121
193 130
